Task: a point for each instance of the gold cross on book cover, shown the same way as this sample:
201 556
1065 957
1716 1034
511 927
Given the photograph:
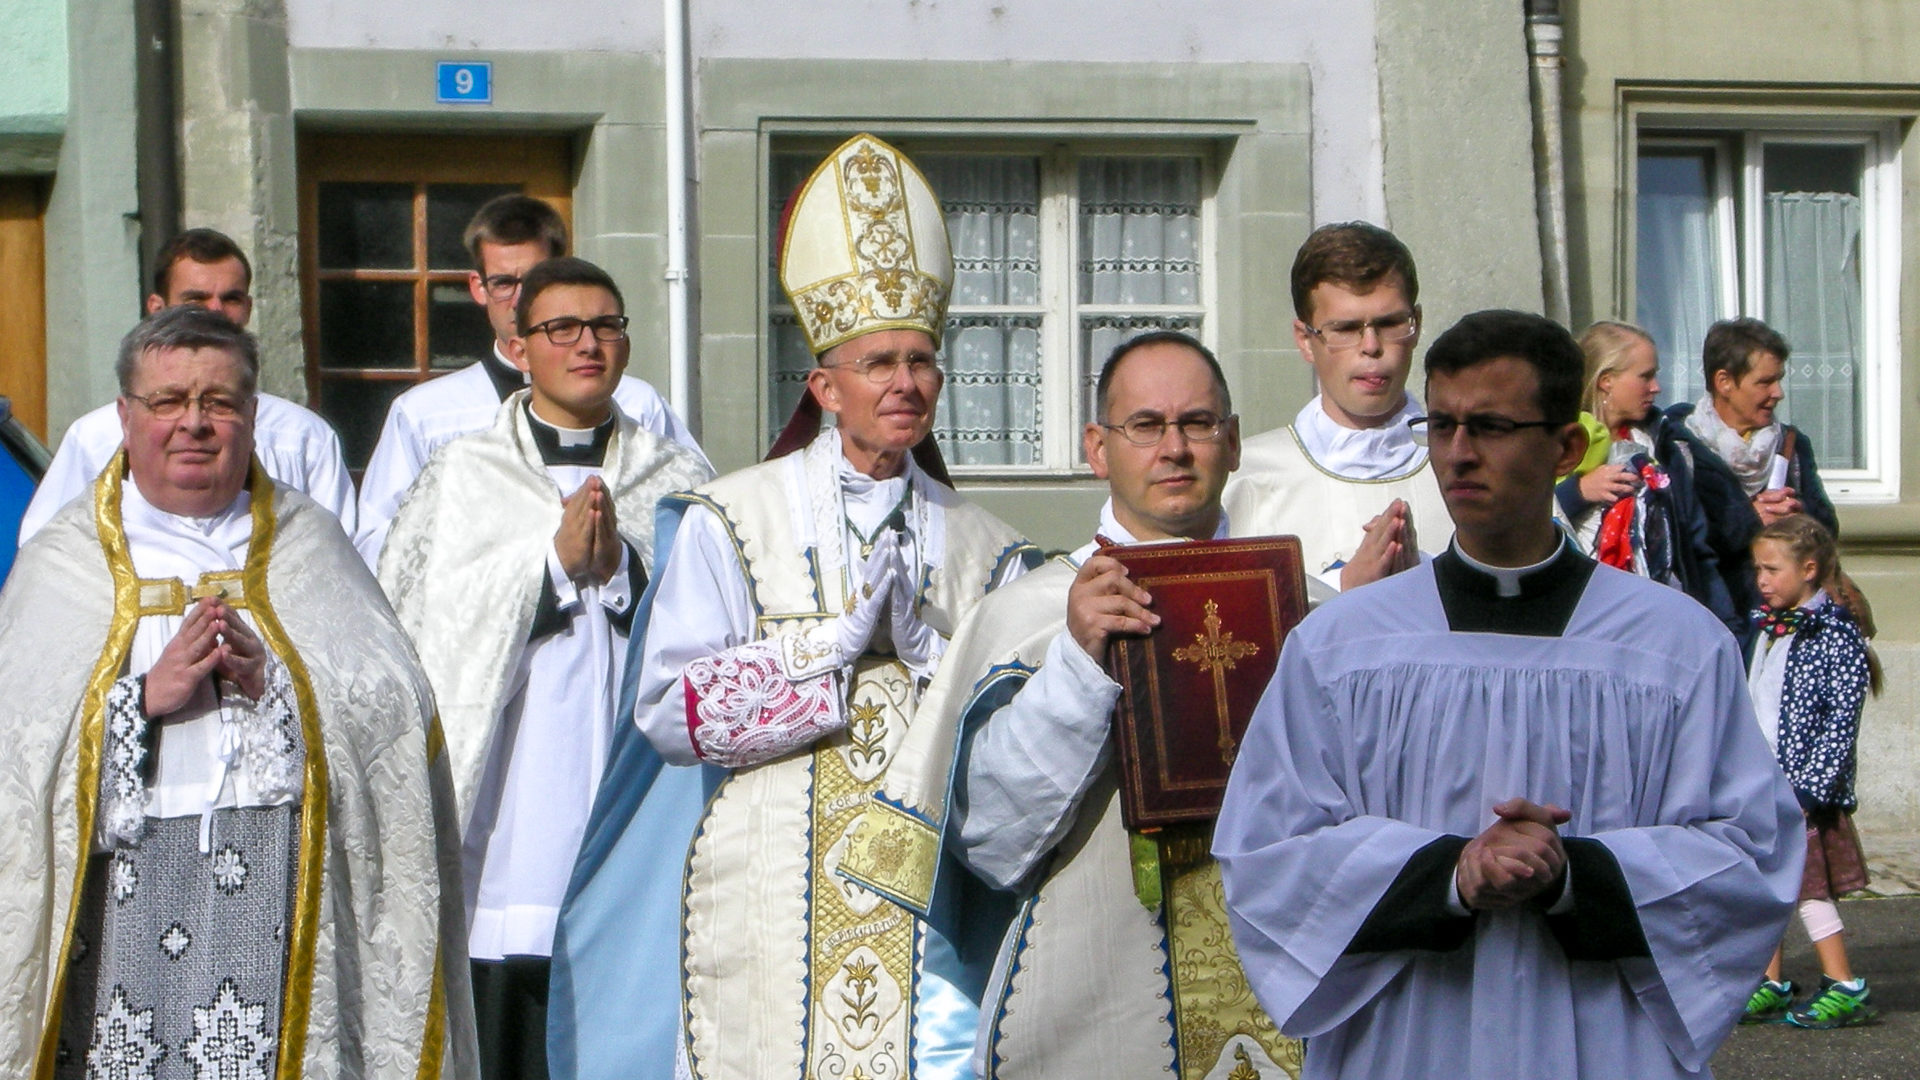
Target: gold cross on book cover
1189 688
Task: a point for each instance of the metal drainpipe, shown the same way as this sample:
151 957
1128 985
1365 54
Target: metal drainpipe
1544 36
678 272
156 128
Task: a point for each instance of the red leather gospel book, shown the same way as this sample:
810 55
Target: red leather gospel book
1189 688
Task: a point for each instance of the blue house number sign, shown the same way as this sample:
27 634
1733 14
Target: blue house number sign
465 83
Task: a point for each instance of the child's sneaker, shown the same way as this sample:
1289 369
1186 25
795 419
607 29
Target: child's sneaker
1770 1004
1835 1007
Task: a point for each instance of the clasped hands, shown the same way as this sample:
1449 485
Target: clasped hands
213 640
1514 860
588 544
886 585
1387 547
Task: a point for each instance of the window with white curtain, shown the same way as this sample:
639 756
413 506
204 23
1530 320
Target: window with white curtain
1799 228
1059 253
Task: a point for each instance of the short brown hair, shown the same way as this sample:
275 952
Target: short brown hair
202 246
515 219
1731 344
564 270
1352 254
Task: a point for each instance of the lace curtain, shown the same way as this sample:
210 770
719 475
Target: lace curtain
1812 240
1139 245
1677 284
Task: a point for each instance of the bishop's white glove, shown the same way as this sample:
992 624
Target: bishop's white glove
837 642
916 644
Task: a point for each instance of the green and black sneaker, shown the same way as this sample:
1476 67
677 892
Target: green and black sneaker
1836 1006
1770 1004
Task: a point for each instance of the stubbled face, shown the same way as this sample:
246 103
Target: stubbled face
1630 392
883 418
1363 386
1497 487
1172 488
1747 403
192 465
572 384
217 286
1784 581
498 260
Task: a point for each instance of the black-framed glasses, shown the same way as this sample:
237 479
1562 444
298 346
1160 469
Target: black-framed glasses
172 405
1348 334
501 286
1478 426
884 369
1147 429
566 329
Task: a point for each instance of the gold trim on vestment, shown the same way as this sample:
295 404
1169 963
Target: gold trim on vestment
432 1045
1215 1013
93 707
894 854
297 999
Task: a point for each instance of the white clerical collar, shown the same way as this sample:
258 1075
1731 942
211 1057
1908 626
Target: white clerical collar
500 355
1507 578
566 436
870 501
1112 531
1375 453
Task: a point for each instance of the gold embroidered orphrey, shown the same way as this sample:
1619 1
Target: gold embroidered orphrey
886 286
862 948
1217 653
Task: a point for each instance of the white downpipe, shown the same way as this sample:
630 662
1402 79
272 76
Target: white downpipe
1544 35
679 307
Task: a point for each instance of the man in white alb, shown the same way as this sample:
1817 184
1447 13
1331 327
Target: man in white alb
505 238
203 268
516 563
1347 476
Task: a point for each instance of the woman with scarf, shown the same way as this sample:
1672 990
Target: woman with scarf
1632 502
1753 470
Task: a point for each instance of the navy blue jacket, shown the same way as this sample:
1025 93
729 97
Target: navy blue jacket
1732 522
1695 560
1820 703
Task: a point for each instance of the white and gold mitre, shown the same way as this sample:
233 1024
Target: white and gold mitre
866 248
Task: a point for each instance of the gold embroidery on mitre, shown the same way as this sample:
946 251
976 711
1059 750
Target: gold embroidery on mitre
862 951
886 286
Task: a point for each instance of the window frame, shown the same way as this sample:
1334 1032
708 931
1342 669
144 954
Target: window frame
541 165
1737 142
1064 387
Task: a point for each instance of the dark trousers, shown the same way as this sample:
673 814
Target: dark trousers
510 1015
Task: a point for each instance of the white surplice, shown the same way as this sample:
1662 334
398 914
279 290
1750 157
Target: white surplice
1384 732
436 412
293 443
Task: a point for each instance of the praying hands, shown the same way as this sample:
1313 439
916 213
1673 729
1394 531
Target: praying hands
588 543
1515 859
213 640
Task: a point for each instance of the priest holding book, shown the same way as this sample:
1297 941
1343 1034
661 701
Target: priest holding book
1507 814
1088 981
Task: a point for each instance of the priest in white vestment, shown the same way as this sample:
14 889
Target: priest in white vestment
516 563
224 784
206 269
506 237
1088 981
1507 814
1347 476
802 605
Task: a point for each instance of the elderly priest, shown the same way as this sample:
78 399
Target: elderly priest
223 778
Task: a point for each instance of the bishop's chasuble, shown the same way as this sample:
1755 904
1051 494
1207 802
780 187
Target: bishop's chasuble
1400 715
246 888
788 970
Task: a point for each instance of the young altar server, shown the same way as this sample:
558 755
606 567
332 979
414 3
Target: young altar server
1507 814
516 563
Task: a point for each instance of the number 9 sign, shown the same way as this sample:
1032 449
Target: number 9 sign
469 83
